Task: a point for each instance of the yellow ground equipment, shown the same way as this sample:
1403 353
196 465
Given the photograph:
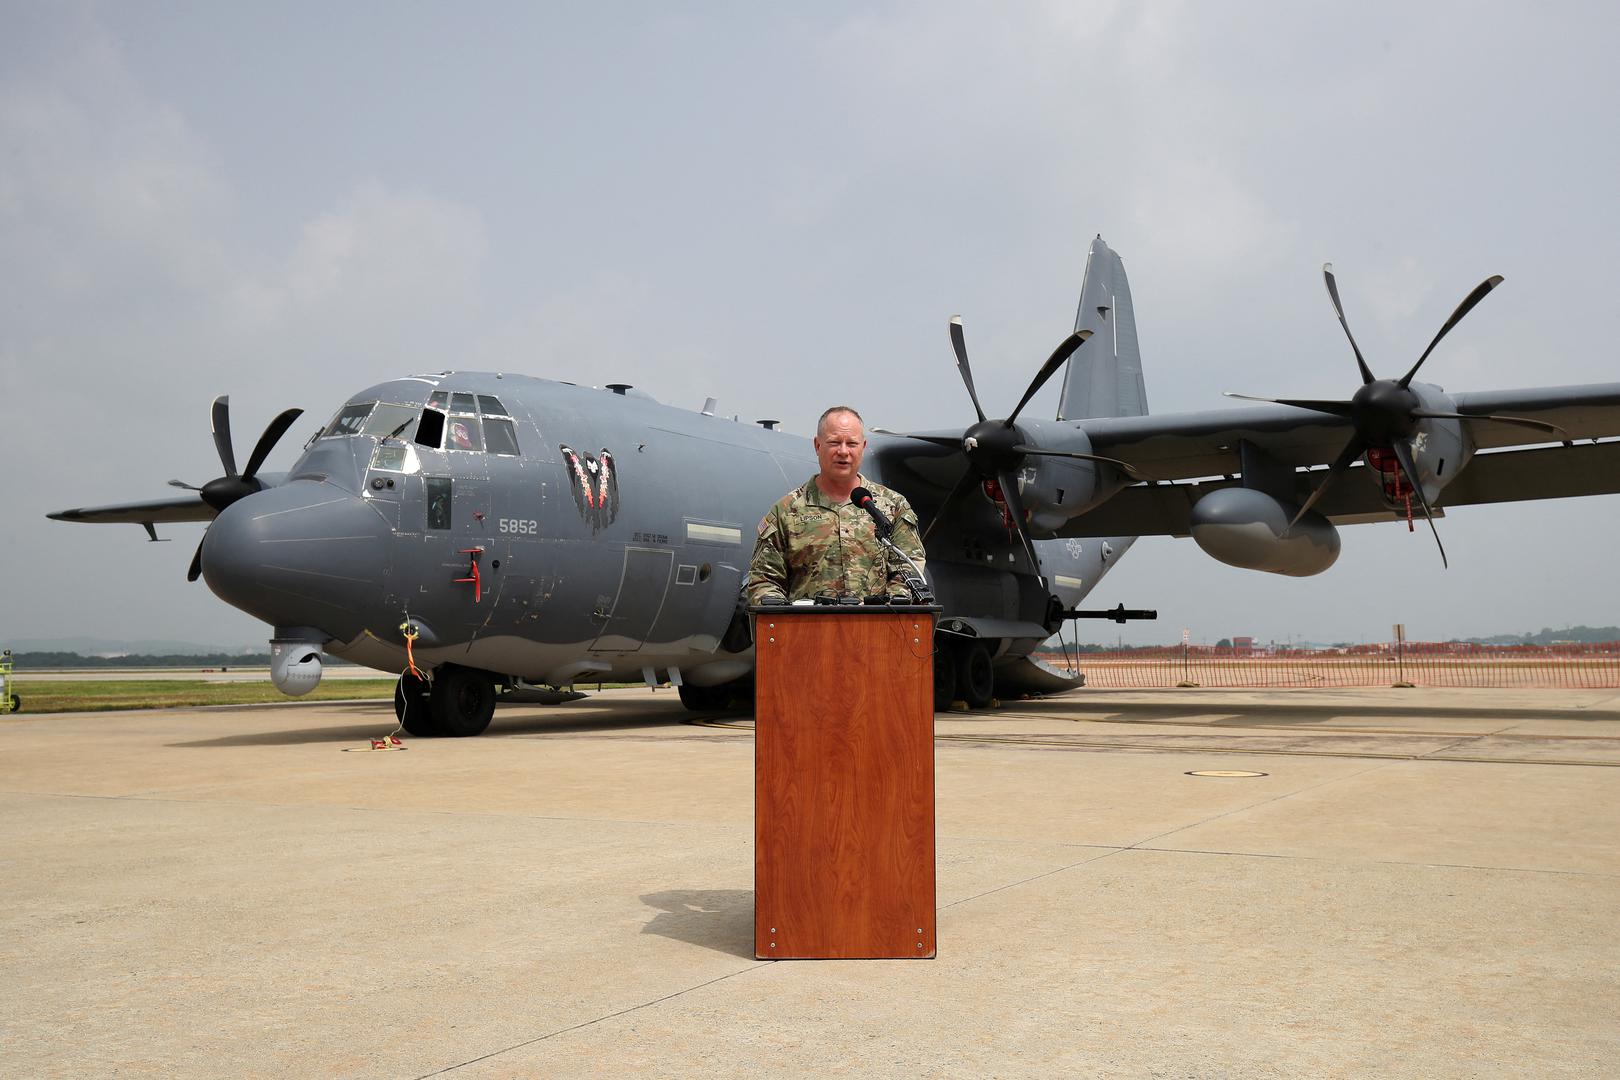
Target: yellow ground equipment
9 701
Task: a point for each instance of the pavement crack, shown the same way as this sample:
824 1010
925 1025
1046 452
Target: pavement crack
1032 877
1263 802
756 966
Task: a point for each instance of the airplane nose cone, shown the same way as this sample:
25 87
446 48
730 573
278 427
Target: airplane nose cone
301 554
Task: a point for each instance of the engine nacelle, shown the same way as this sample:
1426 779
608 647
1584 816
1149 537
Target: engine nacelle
1249 529
295 666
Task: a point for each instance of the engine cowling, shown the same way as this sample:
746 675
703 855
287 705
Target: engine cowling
295 667
1246 528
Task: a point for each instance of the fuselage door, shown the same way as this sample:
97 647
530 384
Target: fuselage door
643 584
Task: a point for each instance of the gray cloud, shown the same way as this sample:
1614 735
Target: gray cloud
777 209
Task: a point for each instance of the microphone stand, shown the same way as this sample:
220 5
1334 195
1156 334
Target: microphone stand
913 577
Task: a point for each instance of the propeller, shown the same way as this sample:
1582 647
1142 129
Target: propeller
222 491
1384 413
996 449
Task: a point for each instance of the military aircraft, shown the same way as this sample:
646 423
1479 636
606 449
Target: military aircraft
491 535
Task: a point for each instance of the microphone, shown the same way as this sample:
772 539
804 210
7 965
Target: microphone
862 498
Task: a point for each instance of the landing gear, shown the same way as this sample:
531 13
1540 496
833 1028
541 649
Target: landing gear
707 698
962 670
975 676
462 701
944 677
412 708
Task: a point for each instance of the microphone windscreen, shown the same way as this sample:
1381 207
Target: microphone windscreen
860 496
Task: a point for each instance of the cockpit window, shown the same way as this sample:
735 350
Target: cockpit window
395 420
500 435
430 432
349 420
464 434
463 428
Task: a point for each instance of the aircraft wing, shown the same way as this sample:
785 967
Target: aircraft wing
1547 472
187 507
184 508
1185 446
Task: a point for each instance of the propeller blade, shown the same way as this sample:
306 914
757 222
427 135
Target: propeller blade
1015 507
222 433
1123 466
272 432
1522 420
196 560
1332 408
1352 450
1403 454
184 485
1059 356
1480 292
969 478
953 441
960 346
1338 308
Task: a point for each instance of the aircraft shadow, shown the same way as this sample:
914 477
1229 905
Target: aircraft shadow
718 919
1251 714
378 721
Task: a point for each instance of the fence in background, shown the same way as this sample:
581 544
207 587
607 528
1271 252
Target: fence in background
1418 663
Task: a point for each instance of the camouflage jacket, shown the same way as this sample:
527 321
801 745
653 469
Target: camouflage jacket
808 546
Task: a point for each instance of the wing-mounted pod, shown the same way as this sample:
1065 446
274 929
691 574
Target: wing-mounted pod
1252 530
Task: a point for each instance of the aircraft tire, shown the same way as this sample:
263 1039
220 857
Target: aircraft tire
706 698
462 702
976 676
944 677
412 708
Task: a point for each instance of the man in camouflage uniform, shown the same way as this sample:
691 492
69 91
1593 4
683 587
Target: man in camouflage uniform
815 542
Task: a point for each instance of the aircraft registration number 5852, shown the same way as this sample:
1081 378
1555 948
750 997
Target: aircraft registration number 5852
522 526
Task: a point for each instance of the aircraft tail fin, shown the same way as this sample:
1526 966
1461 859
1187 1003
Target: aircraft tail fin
1105 377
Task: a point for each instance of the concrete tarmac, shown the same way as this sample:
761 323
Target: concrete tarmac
1420 884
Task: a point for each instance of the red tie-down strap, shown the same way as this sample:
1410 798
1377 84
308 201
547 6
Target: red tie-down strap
476 580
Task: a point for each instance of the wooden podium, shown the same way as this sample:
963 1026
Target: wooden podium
844 782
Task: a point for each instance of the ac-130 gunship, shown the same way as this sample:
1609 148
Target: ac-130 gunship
491 534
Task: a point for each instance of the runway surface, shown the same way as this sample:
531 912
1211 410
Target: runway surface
1419 884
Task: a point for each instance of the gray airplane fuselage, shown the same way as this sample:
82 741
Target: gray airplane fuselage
611 544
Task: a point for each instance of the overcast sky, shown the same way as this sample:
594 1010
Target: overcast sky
289 202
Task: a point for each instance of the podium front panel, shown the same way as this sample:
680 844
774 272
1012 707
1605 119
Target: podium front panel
844 784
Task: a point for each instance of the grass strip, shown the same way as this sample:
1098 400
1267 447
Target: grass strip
92 695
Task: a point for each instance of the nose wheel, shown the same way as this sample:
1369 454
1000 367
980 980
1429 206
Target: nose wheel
459 702
412 707
462 701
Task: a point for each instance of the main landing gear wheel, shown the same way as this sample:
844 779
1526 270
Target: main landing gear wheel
411 706
462 702
975 676
706 698
944 677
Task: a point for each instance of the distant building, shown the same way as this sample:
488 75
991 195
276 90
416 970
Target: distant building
1243 645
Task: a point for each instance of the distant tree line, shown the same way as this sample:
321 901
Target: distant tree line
46 660
1585 635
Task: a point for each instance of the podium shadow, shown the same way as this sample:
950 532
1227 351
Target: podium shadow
718 919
